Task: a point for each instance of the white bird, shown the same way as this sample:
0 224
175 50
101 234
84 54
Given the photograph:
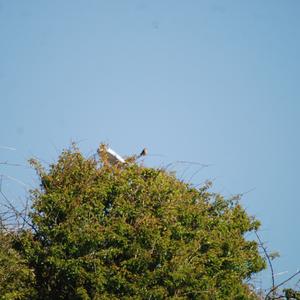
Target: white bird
112 156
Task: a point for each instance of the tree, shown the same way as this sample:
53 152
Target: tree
16 278
126 231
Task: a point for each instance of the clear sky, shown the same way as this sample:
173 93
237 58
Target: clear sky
215 82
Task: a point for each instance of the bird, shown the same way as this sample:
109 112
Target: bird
144 152
112 156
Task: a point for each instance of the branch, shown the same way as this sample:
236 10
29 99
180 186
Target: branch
14 179
269 262
282 283
6 163
18 214
8 148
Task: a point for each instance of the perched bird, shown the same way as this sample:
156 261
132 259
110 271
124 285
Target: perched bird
112 156
144 152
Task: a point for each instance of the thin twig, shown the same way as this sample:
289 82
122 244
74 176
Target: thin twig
195 173
282 283
18 214
192 163
15 179
8 148
269 261
6 163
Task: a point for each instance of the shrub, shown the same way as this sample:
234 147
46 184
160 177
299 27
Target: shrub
127 231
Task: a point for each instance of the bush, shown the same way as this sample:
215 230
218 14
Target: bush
126 231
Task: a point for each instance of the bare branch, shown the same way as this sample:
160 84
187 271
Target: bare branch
281 284
192 163
269 262
15 179
8 148
16 214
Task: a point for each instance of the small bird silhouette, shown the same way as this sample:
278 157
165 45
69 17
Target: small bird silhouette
144 152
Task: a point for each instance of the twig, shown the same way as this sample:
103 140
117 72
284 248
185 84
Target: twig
280 284
8 148
192 163
18 214
15 179
195 173
183 173
10 164
269 262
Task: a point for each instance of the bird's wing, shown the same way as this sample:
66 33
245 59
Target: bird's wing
114 157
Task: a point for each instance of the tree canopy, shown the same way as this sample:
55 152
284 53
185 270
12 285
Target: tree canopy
127 231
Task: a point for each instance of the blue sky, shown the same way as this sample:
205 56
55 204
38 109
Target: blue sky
215 82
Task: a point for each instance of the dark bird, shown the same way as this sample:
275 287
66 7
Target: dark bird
144 152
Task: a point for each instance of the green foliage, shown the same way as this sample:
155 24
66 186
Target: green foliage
131 232
291 294
16 279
